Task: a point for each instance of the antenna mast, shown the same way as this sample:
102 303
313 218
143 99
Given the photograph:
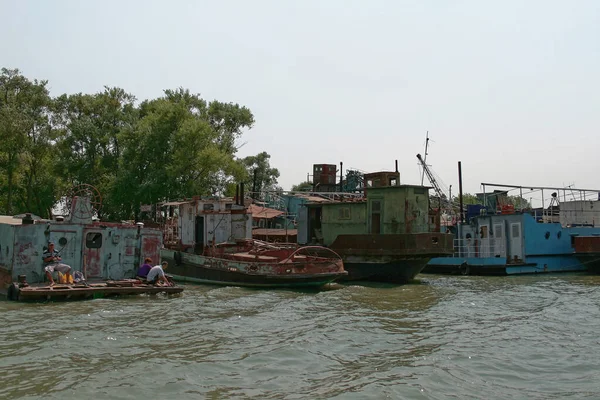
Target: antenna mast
425 158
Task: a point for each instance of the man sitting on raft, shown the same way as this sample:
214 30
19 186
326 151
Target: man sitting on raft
53 263
157 274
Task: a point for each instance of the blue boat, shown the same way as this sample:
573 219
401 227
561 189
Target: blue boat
515 243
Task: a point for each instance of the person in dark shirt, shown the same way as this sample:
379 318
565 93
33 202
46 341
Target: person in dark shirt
52 262
142 272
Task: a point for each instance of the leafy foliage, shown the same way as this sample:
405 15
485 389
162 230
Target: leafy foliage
303 187
260 176
175 146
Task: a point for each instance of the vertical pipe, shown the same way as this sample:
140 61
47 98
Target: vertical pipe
460 192
341 176
543 209
396 166
237 194
254 185
242 202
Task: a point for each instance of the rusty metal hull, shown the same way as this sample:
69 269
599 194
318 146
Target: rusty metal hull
43 292
187 267
587 252
394 271
395 258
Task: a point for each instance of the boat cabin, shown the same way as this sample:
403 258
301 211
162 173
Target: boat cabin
190 225
100 250
387 209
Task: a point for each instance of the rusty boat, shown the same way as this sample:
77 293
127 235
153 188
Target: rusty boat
208 241
384 231
104 255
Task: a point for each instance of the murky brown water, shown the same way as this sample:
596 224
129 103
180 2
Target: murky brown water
533 337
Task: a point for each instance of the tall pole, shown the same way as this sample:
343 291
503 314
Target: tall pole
460 192
341 176
425 158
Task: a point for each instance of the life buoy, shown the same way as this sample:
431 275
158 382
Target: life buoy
464 269
177 257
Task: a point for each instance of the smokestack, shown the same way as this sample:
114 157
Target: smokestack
396 165
242 202
460 192
237 194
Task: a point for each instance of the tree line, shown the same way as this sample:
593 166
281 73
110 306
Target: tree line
172 147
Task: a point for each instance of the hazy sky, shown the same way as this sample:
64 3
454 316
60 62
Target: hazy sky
510 88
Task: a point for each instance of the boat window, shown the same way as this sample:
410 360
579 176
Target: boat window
63 241
344 213
376 206
228 206
484 232
93 240
208 207
516 231
419 190
498 231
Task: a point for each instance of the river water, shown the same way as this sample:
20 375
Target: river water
447 337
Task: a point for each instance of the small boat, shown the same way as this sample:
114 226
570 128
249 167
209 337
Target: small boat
255 263
21 291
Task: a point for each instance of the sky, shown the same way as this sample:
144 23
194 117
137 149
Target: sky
510 89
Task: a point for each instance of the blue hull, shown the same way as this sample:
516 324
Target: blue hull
498 266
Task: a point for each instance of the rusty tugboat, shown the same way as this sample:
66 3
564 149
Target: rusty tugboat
105 255
208 241
388 233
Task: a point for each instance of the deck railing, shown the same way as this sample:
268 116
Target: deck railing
479 248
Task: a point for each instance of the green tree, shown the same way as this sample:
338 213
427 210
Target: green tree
260 175
303 187
26 151
180 148
89 142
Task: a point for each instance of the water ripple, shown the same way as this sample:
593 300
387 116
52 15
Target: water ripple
443 338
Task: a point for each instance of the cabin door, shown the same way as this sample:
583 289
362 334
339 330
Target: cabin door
516 241
93 253
376 216
484 241
200 231
302 223
499 241
151 244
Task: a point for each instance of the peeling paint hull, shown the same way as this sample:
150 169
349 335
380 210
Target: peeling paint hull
187 267
587 252
394 258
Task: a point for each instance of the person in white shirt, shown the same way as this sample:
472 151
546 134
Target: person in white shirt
157 274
